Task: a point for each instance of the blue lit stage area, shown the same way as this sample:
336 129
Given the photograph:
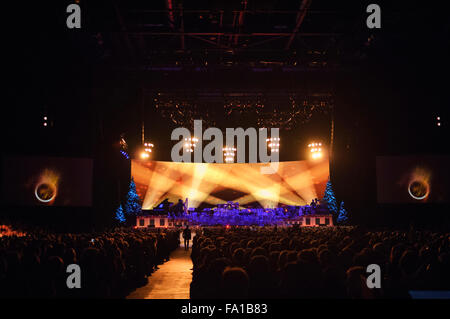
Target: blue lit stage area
231 215
204 194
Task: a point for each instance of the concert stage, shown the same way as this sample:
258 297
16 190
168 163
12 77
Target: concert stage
230 214
231 194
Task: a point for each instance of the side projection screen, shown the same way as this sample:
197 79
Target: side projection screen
206 185
47 181
413 179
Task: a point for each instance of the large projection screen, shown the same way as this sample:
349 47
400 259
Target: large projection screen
413 179
206 185
47 181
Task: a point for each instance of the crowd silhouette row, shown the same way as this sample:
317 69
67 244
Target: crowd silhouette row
112 263
324 262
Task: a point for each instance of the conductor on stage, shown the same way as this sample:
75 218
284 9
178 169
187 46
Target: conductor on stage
187 237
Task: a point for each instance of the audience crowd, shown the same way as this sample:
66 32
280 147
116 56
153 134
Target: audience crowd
316 262
242 262
112 263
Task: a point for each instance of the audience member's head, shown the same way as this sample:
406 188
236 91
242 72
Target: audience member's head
235 283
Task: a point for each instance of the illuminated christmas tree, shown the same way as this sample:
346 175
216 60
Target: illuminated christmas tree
330 199
120 216
133 202
342 218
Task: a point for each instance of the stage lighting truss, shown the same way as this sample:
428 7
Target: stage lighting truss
316 150
190 143
262 107
274 144
229 153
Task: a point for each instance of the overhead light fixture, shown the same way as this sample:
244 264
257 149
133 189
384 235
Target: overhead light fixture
315 150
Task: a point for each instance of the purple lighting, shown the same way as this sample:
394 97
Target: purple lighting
247 217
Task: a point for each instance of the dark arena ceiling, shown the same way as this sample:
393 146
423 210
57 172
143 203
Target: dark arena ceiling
230 63
193 57
267 33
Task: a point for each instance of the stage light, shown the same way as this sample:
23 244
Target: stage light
315 150
148 147
191 143
274 144
45 123
229 153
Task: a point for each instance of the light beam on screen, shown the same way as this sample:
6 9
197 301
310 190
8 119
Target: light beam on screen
203 182
273 189
172 180
309 183
196 196
193 182
247 178
419 184
192 175
267 197
295 183
280 191
177 177
152 173
216 178
46 188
